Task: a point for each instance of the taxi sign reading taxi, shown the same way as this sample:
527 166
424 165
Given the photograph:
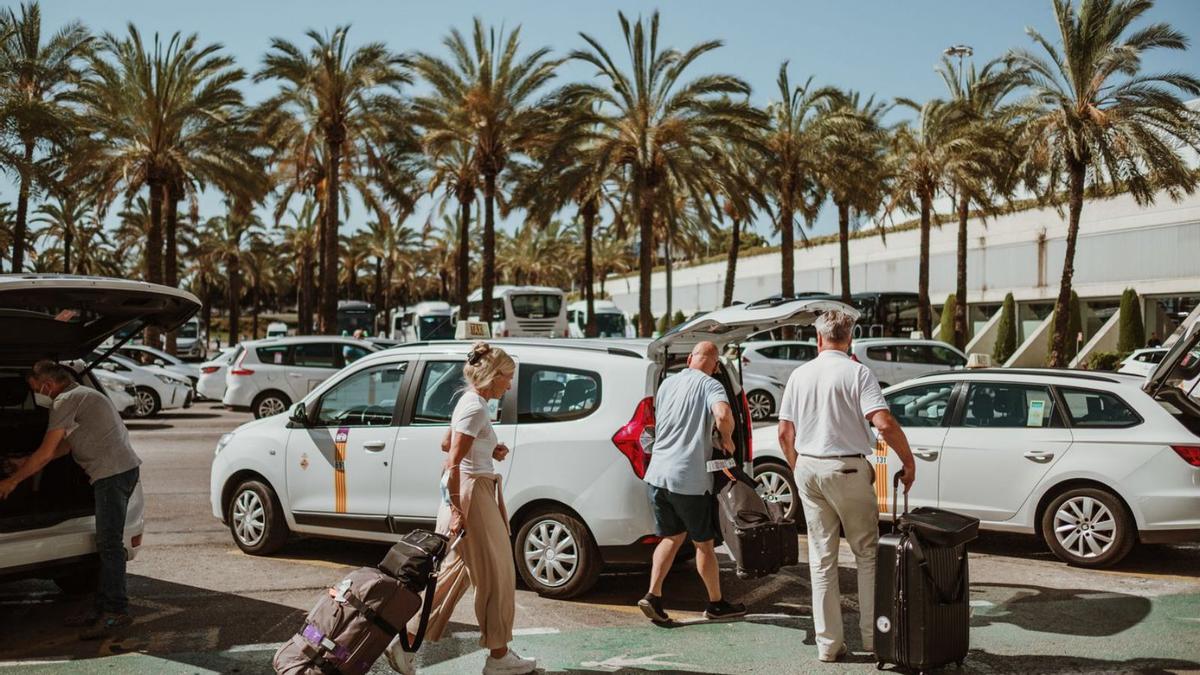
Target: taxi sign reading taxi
473 330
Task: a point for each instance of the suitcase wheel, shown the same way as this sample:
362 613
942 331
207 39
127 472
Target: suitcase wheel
879 665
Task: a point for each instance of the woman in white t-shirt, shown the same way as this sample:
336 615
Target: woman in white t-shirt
473 504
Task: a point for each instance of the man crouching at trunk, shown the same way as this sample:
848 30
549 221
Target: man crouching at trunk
680 486
85 423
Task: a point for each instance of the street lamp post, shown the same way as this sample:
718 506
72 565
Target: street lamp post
961 51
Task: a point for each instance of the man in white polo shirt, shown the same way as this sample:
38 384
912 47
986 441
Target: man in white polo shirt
824 433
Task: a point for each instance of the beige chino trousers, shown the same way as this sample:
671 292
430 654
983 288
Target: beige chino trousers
837 493
483 559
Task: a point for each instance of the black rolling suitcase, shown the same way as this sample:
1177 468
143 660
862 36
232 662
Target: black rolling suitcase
759 536
922 603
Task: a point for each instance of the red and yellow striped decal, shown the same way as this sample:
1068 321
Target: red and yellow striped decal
339 469
882 484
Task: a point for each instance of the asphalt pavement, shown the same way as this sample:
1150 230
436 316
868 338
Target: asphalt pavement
202 606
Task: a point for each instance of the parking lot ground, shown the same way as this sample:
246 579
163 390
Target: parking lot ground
201 606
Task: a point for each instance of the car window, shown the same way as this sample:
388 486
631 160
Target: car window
923 406
352 353
1010 406
944 356
279 355
804 352
314 355
1096 409
555 394
775 352
1149 357
881 354
442 385
366 398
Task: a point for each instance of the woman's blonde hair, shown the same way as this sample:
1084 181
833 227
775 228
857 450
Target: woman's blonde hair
485 363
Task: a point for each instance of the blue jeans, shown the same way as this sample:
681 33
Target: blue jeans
112 504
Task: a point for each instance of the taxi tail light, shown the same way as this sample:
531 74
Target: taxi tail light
749 427
745 360
209 370
632 439
1189 453
136 541
237 367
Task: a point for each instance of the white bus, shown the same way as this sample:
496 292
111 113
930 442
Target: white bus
610 320
523 311
423 321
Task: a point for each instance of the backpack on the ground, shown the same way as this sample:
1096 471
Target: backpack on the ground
356 619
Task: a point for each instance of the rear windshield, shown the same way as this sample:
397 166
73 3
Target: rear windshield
536 305
435 328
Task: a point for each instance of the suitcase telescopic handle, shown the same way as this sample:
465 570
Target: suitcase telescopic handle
895 496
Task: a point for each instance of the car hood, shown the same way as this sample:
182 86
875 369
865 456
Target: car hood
67 317
734 324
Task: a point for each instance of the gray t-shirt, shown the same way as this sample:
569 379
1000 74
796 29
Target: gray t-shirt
683 424
97 435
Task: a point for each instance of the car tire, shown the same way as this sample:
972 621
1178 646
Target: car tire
761 403
1088 527
79 581
574 565
147 403
775 482
256 519
270 403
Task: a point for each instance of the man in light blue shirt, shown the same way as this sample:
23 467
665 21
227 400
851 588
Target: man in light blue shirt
686 408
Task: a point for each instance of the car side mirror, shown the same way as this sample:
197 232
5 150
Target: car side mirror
299 414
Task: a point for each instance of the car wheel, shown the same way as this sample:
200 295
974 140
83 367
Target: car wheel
256 519
1088 527
777 484
270 403
79 581
146 402
762 405
556 555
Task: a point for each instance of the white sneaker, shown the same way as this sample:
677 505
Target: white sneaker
401 661
509 664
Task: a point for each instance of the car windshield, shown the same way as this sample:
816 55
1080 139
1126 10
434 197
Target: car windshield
435 328
610 325
536 305
189 330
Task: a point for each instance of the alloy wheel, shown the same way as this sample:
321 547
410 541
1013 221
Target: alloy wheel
270 406
1084 527
145 403
774 487
551 553
761 405
249 518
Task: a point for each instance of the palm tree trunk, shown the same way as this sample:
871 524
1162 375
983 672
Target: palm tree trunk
731 262
154 249
923 310
255 300
388 272
171 259
329 266
464 258
489 244
235 293
68 237
1062 314
589 294
20 227
670 287
307 294
206 292
645 263
787 254
844 248
960 286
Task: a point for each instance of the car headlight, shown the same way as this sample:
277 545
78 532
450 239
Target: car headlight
112 385
222 442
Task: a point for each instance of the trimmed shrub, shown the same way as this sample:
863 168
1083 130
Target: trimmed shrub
1006 340
1103 361
678 318
1131 332
946 327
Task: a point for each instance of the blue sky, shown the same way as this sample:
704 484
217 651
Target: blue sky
883 47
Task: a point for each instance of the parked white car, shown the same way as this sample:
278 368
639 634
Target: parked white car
895 360
763 394
1142 361
277 329
191 342
156 389
1090 463
121 390
47 526
211 384
150 356
776 358
267 375
359 457
610 320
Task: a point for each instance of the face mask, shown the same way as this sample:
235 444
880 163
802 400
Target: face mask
42 400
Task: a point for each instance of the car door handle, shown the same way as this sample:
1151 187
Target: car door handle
295 375
926 454
374 446
1039 456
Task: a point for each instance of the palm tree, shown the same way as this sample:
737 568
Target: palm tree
613 255
69 219
232 235
655 127
483 98
344 95
300 240
453 170
1097 116
791 164
164 117
852 168
37 79
204 267
740 196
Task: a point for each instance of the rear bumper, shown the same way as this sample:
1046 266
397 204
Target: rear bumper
1169 536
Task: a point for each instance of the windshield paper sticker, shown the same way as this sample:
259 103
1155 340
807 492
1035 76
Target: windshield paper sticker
1037 410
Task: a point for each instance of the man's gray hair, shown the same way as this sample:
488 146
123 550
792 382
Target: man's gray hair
835 326
53 371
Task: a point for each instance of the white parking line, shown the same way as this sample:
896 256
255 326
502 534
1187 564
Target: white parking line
517 632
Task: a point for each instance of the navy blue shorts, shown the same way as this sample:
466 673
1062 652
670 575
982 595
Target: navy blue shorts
675 513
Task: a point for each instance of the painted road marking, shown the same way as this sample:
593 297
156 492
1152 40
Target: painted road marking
261 647
469 635
33 662
299 561
616 663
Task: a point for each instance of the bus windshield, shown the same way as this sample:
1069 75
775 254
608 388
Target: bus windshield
536 305
435 328
610 325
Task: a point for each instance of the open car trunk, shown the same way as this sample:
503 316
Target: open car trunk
60 491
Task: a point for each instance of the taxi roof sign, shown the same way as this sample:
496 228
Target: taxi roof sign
472 330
